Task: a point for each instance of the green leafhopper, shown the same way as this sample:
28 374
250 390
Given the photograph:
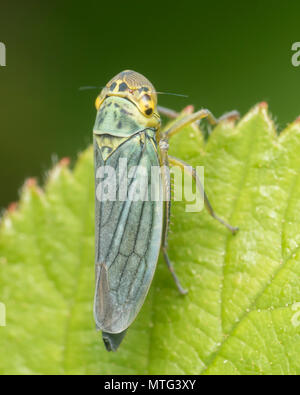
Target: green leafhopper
132 201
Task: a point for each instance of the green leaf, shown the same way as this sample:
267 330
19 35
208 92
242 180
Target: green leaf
241 315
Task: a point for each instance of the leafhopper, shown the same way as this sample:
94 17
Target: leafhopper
132 201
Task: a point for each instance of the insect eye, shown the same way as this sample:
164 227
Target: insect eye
147 105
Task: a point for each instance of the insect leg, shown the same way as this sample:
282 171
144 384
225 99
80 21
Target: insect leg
192 171
166 181
164 146
187 120
171 268
194 117
167 112
232 115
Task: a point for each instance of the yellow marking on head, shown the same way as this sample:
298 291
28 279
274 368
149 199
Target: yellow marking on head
134 87
98 102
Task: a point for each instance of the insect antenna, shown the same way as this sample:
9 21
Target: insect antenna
85 88
171 94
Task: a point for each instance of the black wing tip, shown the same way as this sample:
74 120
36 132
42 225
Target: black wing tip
112 341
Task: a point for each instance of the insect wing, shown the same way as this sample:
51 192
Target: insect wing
128 234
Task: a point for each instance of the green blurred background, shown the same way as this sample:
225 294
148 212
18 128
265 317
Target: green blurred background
225 56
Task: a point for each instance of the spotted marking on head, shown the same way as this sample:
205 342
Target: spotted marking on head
112 87
134 87
123 87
